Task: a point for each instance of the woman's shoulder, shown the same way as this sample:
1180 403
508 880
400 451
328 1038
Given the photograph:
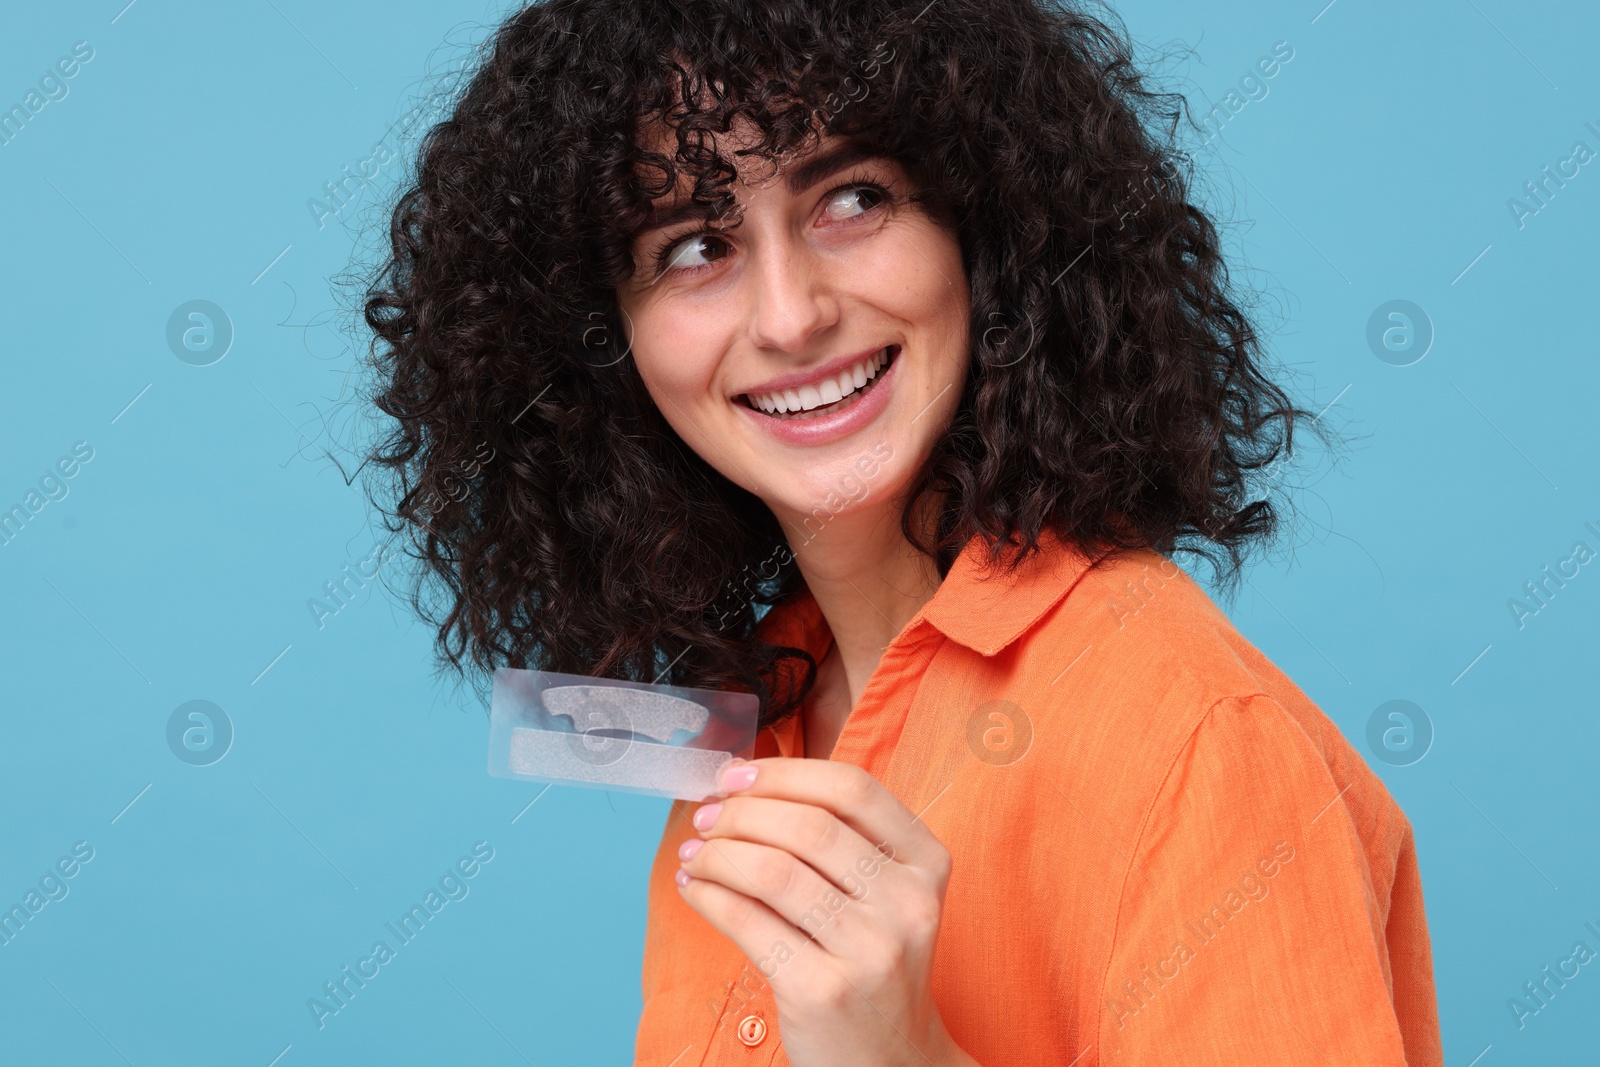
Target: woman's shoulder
1144 633
1137 670
1135 626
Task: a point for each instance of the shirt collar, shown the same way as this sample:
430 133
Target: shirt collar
979 606
985 608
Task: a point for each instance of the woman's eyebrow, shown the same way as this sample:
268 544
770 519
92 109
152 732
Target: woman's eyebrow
827 164
687 211
816 169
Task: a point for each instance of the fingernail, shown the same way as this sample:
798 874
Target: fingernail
687 850
739 777
706 817
682 878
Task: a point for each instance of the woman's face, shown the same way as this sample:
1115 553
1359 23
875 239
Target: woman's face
812 344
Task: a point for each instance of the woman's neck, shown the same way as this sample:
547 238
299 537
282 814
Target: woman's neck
868 581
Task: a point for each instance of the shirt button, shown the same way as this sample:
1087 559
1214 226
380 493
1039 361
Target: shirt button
752 1030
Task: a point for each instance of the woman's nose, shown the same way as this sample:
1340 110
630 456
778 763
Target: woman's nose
793 297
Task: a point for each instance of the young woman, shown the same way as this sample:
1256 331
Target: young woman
873 358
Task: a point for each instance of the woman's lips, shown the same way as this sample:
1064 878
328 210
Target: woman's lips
834 421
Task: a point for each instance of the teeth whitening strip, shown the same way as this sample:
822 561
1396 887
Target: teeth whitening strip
573 729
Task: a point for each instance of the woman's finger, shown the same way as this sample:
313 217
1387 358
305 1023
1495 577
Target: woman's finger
758 931
853 795
801 897
814 835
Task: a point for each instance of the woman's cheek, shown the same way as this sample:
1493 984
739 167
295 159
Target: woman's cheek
669 361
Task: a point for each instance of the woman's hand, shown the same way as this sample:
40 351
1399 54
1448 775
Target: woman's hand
813 867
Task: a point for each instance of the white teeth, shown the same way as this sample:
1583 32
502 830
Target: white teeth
828 391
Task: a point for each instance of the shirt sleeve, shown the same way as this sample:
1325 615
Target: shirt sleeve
1252 926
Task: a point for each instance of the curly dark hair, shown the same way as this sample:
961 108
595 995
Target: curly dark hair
1115 394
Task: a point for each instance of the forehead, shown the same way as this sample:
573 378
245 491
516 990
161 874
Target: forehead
738 147
814 158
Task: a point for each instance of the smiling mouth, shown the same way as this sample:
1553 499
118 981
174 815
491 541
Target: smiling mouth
806 403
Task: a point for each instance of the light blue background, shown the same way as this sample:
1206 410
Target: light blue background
179 167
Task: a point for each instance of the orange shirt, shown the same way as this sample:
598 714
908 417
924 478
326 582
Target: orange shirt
1162 851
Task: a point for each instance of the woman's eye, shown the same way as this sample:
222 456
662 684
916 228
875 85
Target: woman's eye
702 249
690 252
855 200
